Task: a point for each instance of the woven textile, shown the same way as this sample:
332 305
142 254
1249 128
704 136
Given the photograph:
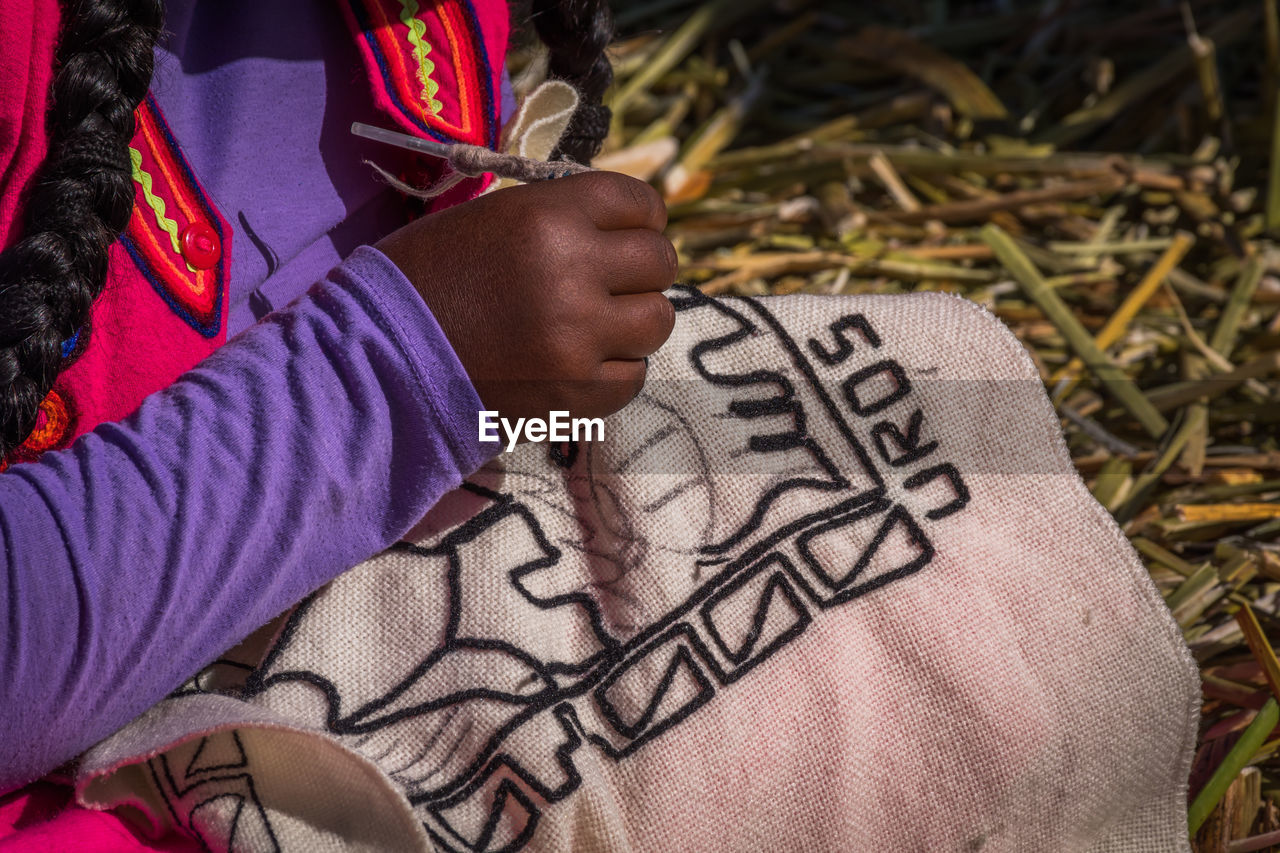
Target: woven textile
831 583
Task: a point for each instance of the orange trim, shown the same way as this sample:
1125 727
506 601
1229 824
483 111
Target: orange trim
455 53
394 50
166 169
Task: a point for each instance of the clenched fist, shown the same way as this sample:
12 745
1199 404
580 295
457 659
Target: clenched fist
549 293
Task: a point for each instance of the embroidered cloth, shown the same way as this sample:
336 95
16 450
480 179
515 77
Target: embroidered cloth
830 583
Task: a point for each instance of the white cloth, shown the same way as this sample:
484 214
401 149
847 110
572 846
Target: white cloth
831 583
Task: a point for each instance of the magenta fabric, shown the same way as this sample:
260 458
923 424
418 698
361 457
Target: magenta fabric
28 29
41 818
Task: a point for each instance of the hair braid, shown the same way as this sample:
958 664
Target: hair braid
576 33
79 203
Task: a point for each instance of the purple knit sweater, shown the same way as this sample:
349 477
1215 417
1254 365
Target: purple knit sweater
311 441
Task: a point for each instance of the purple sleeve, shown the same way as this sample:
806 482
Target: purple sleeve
309 443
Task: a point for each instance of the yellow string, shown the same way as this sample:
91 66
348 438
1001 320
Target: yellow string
417 29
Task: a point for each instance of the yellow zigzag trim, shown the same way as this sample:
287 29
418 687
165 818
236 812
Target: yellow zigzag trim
155 202
417 29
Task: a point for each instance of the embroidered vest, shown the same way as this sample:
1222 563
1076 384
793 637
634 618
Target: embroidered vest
434 70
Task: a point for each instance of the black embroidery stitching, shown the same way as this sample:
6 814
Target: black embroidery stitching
172 792
564 454
815 384
507 790
909 442
160 789
640 732
253 795
949 471
235 819
850 387
844 346
242 762
798 438
503 793
775 585
844 588
568 720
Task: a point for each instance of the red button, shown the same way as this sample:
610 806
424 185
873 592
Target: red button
200 245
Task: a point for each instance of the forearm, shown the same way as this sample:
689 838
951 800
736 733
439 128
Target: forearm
307 444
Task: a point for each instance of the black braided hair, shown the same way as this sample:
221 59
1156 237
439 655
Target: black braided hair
576 33
79 203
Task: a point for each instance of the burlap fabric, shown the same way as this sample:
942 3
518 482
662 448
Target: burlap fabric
831 583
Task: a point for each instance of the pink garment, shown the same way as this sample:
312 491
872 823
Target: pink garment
40 818
27 31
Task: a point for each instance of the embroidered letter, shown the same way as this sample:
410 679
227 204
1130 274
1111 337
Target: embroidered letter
844 347
888 383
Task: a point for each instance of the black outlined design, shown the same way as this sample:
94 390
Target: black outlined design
209 791
785 401
854 509
854 579
777 617
958 488
669 658
208 758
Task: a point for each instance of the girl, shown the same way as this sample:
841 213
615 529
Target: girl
148 214
809 598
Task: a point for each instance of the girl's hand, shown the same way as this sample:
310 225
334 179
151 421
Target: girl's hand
549 293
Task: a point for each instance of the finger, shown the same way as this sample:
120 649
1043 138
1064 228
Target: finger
620 381
638 325
613 384
615 201
638 261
